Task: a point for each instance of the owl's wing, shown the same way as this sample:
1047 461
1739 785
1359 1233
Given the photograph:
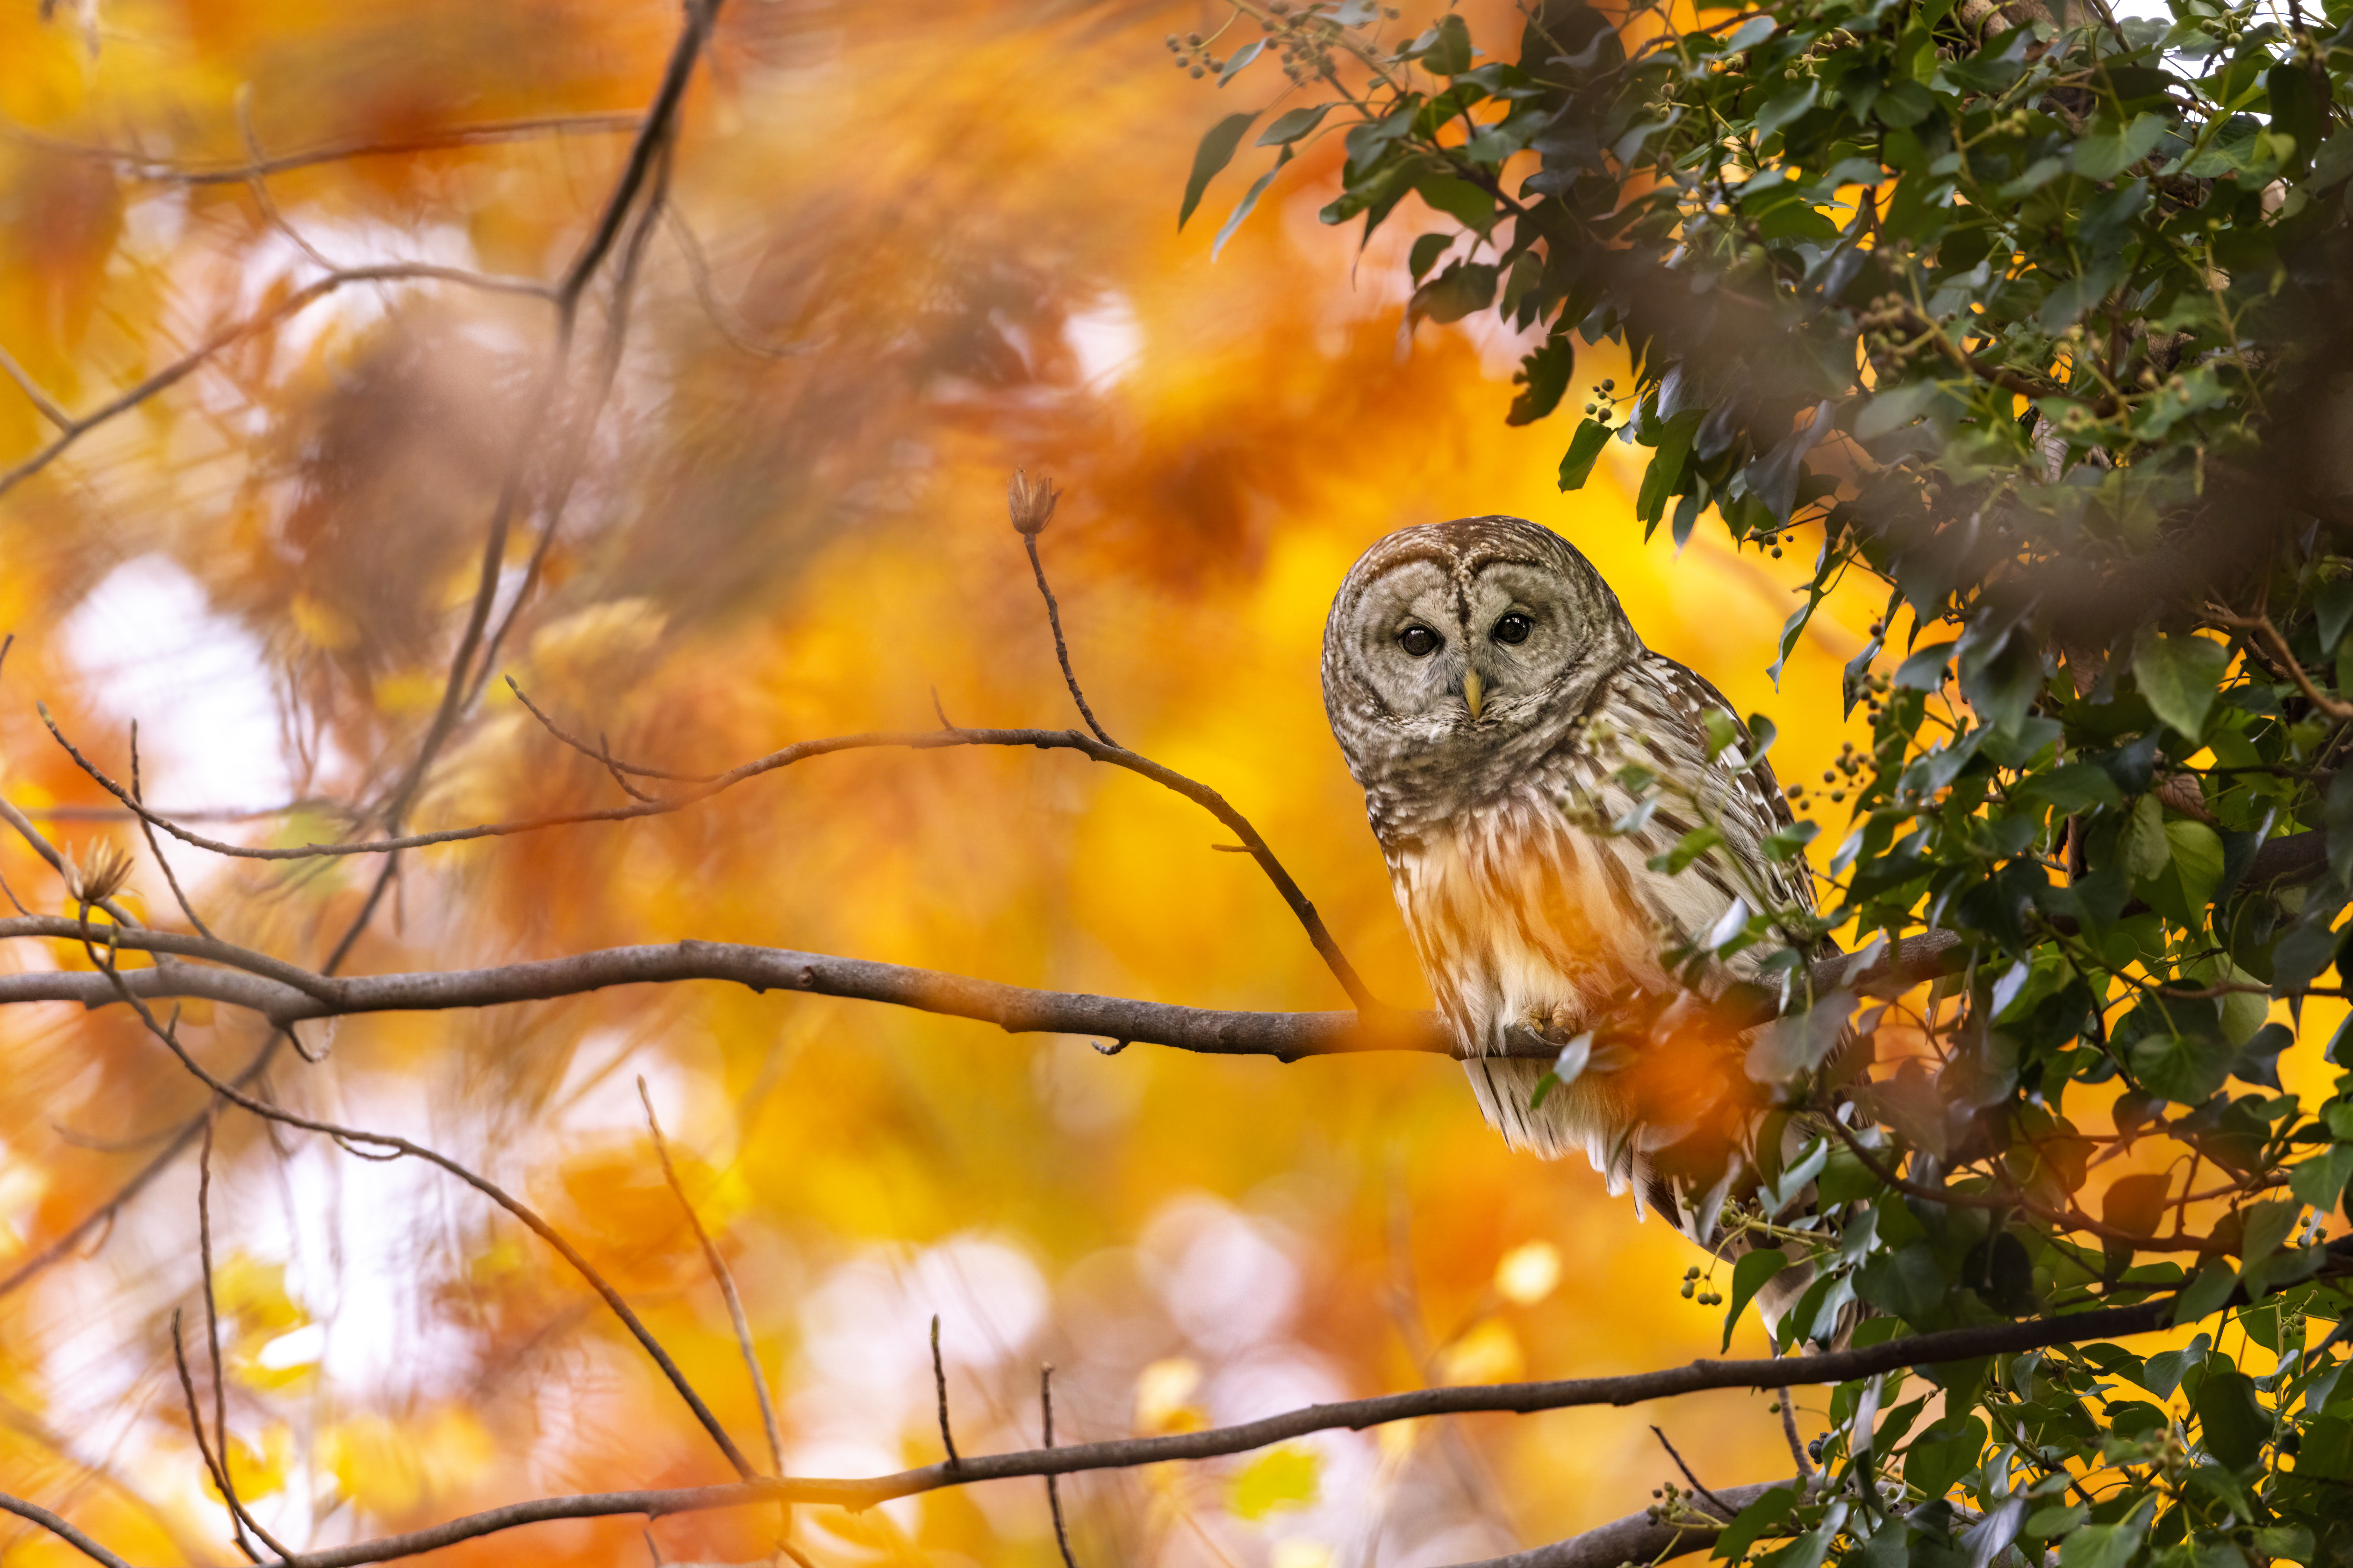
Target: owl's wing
1658 709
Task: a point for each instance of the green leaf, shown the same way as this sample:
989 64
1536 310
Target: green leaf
1449 52
2136 1203
1216 150
1241 58
1688 848
1748 1276
2185 1068
1463 288
2269 1223
1292 124
2108 151
2076 787
2178 674
1925 671
1584 447
1757 1519
1544 378
1250 201
1459 199
2205 1294
2321 1181
2232 1421
2100 1546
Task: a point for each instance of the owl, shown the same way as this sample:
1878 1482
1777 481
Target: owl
1492 699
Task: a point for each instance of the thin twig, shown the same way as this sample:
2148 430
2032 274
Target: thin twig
147 829
1061 650
258 182
1053 1492
57 1526
142 166
239 1520
1701 1486
940 1383
480 1183
214 1466
726 1277
1796 1443
2261 626
708 786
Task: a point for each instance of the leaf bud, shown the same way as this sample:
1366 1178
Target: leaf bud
1032 505
109 868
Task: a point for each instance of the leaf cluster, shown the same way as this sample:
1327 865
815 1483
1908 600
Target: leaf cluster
2036 319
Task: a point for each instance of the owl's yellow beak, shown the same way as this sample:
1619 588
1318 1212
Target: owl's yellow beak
1475 693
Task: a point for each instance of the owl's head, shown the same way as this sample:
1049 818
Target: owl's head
1466 641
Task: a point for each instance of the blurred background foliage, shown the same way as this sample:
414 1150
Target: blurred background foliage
914 247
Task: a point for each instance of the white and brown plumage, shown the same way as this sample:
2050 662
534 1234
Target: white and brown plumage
1486 689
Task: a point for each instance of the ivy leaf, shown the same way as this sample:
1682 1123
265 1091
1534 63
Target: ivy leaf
1748 1276
1584 447
2232 1423
2178 675
2185 1068
1216 150
1445 49
1250 200
1544 377
2105 153
1292 124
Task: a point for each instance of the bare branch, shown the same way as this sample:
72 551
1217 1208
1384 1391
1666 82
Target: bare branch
203 1444
1356 1415
142 166
915 740
61 1530
1697 1484
147 830
1032 506
240 1521
727 1279
348 1136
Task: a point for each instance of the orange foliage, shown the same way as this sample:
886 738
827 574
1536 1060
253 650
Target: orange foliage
965 215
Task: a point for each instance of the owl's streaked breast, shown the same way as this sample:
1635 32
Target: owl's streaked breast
1521 918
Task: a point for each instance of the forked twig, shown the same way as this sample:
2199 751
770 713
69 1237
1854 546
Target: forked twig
727 1279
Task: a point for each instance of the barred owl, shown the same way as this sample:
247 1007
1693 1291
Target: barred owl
1487 690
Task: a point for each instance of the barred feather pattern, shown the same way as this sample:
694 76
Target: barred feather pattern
1519 858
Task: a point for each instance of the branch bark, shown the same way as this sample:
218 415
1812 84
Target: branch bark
1354 1415
287 993
1637 1538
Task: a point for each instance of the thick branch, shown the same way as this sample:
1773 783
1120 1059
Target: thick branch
287 993
1354 1415
1637 1538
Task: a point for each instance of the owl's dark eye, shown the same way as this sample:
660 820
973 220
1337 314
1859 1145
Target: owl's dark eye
1418 641
1513 628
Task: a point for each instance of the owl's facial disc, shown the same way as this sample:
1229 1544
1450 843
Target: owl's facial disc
1465 658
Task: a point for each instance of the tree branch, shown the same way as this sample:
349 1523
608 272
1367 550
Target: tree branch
1356 1415
1637 1538
142 166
